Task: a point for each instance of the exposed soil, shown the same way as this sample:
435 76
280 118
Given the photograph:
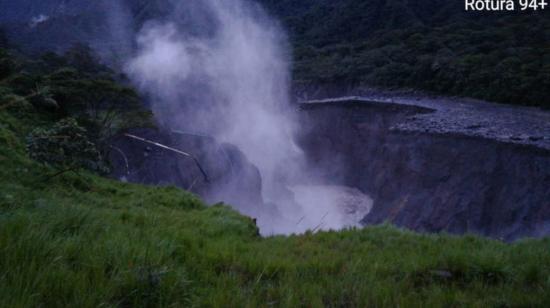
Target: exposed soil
435 165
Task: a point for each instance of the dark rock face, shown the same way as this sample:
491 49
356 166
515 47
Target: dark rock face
430 182
229 177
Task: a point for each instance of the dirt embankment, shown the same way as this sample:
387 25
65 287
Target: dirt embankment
433 166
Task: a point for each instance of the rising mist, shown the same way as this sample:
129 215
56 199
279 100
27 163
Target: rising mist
221 68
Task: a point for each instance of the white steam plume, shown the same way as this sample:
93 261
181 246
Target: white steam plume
226 73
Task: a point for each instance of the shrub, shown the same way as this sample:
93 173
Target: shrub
66 146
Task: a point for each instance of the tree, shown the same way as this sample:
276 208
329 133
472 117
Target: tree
8 66
3 39
104 107
84 59
65 146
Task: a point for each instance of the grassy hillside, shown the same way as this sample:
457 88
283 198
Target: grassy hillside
80 240
426 44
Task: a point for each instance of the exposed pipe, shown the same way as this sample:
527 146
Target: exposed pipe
162 146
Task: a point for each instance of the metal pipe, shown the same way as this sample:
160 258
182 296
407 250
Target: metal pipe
162 146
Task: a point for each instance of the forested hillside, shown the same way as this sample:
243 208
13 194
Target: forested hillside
426 44
431 45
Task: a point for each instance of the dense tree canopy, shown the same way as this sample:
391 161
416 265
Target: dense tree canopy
425 44
89 102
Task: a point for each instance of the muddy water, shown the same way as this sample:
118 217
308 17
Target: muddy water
329 207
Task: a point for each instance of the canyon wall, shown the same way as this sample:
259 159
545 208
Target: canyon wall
430 182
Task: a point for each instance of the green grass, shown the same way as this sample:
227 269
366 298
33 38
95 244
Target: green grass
86 241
